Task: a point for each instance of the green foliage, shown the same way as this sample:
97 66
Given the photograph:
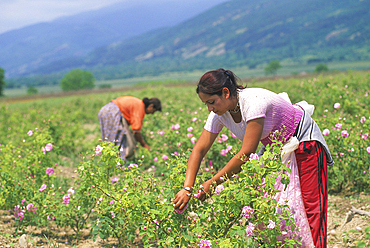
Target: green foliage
142 196
31 91
272 67
77 80
321 68
2 81
105 86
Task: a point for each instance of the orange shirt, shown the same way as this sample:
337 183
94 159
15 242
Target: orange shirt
133 110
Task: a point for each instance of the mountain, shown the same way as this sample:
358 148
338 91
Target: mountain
238 32
26 49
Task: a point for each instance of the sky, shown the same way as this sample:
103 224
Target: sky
16 14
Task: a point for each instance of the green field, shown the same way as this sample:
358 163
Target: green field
142 193
288 69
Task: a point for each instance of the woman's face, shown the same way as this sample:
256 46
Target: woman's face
218 104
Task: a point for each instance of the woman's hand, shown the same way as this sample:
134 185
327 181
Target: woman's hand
205 190
181 199
147 147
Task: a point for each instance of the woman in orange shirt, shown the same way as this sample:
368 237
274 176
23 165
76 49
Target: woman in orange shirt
122 112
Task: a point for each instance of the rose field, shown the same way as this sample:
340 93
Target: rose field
62 186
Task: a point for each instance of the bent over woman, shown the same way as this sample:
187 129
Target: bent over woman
253 115
116 117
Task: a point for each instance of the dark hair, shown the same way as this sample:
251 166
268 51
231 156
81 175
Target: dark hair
212 82
155 101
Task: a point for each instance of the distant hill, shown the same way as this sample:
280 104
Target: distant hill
239 32
26 49
234 33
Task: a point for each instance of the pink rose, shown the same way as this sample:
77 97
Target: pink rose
43 187
98 150
337 105
250 229
224 137
66 199
219 189
326 132
247 211
223 152
49 171
48 147
253 156
344 133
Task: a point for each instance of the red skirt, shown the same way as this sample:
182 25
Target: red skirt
312 167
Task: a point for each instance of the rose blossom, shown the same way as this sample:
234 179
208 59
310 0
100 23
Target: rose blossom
49 171
223 152
253 156
344 133
247 211
164 157
224 137
271 224
30 133
326 132
337 105
363 119
250 229
66 199
175 127
338 125
98 150
219 189
43 187
48 147
70 191
368 149
205 243
189 129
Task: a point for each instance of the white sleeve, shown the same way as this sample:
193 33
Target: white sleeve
213 123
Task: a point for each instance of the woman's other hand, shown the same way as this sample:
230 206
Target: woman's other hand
181 199
205 190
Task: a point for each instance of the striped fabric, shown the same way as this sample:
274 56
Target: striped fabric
114 128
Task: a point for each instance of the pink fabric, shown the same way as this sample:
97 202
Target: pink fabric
292 196
255 103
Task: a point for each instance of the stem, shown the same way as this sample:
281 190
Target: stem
107 194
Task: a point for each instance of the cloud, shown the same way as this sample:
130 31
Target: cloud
19 13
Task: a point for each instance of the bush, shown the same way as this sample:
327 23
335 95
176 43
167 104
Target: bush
272 67
321 68
31 91
2 81
77 80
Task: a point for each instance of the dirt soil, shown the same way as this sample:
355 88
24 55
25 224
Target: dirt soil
339 227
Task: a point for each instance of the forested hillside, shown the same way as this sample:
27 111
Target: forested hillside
240 32
26 49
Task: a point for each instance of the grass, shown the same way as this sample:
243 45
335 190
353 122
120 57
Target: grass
288 69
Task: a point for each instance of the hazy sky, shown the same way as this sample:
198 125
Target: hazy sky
20 13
